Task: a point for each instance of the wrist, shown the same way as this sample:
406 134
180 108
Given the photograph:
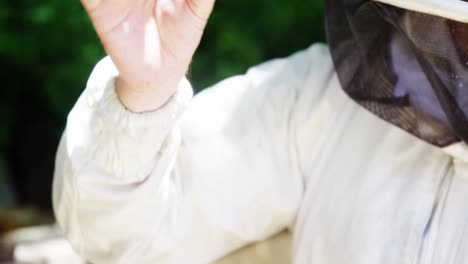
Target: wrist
144 97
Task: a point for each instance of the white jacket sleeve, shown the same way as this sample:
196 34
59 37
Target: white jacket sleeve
187 183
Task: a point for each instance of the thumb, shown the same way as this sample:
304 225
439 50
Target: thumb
90 5
201 8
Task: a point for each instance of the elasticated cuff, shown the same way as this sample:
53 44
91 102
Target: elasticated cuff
103 98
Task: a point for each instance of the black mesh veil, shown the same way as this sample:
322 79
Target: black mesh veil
408 68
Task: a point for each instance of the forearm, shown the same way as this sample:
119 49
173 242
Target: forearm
112 166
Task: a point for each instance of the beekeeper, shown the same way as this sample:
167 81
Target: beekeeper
359 148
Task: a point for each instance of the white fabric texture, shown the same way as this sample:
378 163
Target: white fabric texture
450 9
281 147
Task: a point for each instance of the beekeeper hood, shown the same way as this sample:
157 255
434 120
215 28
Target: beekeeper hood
406 61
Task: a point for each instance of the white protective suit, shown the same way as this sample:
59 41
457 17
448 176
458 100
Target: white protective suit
279 148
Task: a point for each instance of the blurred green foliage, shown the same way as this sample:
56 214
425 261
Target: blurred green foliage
243 33
48 48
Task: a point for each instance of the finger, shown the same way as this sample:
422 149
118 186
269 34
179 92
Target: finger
201 8
107 14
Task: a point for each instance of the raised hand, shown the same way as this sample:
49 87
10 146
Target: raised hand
151 43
